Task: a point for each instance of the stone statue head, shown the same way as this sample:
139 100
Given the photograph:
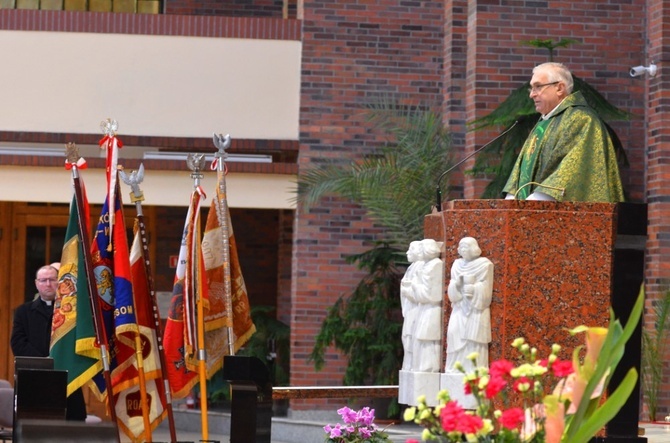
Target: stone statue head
431 248
468 248
414 251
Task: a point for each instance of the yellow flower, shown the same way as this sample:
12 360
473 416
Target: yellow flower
426 435
443 395
409 414
518 342
425 414
473 356
555 348
483 382
528 370
487 427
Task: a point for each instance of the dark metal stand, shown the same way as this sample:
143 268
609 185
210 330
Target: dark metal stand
251 405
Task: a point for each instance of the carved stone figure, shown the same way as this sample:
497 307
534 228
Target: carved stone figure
470 291
428 292
408 302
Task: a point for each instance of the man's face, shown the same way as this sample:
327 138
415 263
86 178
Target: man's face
545 93
47 283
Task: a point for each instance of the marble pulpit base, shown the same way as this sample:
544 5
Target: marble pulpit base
411 385
452 382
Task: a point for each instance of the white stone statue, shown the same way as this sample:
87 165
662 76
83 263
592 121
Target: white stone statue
470 291
408 302
428 292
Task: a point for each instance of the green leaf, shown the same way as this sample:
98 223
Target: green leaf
606 412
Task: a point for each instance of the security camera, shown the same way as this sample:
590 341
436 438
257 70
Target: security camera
640 70
637 71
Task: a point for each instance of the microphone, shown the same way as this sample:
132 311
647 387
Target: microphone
438 191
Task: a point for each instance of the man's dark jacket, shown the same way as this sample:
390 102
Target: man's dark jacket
31 336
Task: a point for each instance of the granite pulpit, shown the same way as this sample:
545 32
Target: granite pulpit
557 265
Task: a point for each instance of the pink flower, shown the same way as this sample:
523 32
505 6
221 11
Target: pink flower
411 440
450 416
555 419
500 368
562 368
494 386
469 424
512 418
467 388
571 388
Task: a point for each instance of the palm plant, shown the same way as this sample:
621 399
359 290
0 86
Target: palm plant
395 186
654 344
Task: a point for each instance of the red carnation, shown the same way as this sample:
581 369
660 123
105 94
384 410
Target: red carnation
512 418
500 368
562 368
470 424
451 415
495 385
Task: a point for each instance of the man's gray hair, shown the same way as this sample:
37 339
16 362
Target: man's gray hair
556 72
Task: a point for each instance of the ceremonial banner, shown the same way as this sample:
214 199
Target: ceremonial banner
180 339
128 404
73 339
111 266
216 318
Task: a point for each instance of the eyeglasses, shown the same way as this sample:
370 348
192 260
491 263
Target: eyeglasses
538 88
46 280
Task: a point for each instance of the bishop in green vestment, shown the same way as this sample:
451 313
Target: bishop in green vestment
569 155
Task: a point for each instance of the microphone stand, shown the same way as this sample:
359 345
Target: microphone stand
438 191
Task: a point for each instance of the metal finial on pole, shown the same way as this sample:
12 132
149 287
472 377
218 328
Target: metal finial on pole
196 163
222 143
109 127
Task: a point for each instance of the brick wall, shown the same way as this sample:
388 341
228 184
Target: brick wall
658 165
353 53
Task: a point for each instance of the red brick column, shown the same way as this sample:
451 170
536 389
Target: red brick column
658 163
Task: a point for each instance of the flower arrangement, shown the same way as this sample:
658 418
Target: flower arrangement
358 427
542 400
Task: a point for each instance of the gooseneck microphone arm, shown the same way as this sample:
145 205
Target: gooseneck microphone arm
438 191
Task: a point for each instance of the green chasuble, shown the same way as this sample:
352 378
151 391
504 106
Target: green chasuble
570 155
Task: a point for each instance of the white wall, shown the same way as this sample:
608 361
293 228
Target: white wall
67 82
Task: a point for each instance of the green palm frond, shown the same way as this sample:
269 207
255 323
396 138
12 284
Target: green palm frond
395 184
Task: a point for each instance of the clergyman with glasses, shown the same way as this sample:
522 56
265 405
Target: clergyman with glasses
569 155
31 332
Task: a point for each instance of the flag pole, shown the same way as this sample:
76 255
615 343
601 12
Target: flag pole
137 196
222 143
196 162
100 332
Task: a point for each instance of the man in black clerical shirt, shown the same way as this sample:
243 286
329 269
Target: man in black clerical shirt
31 333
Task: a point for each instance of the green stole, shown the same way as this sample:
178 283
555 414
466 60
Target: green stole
529 160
